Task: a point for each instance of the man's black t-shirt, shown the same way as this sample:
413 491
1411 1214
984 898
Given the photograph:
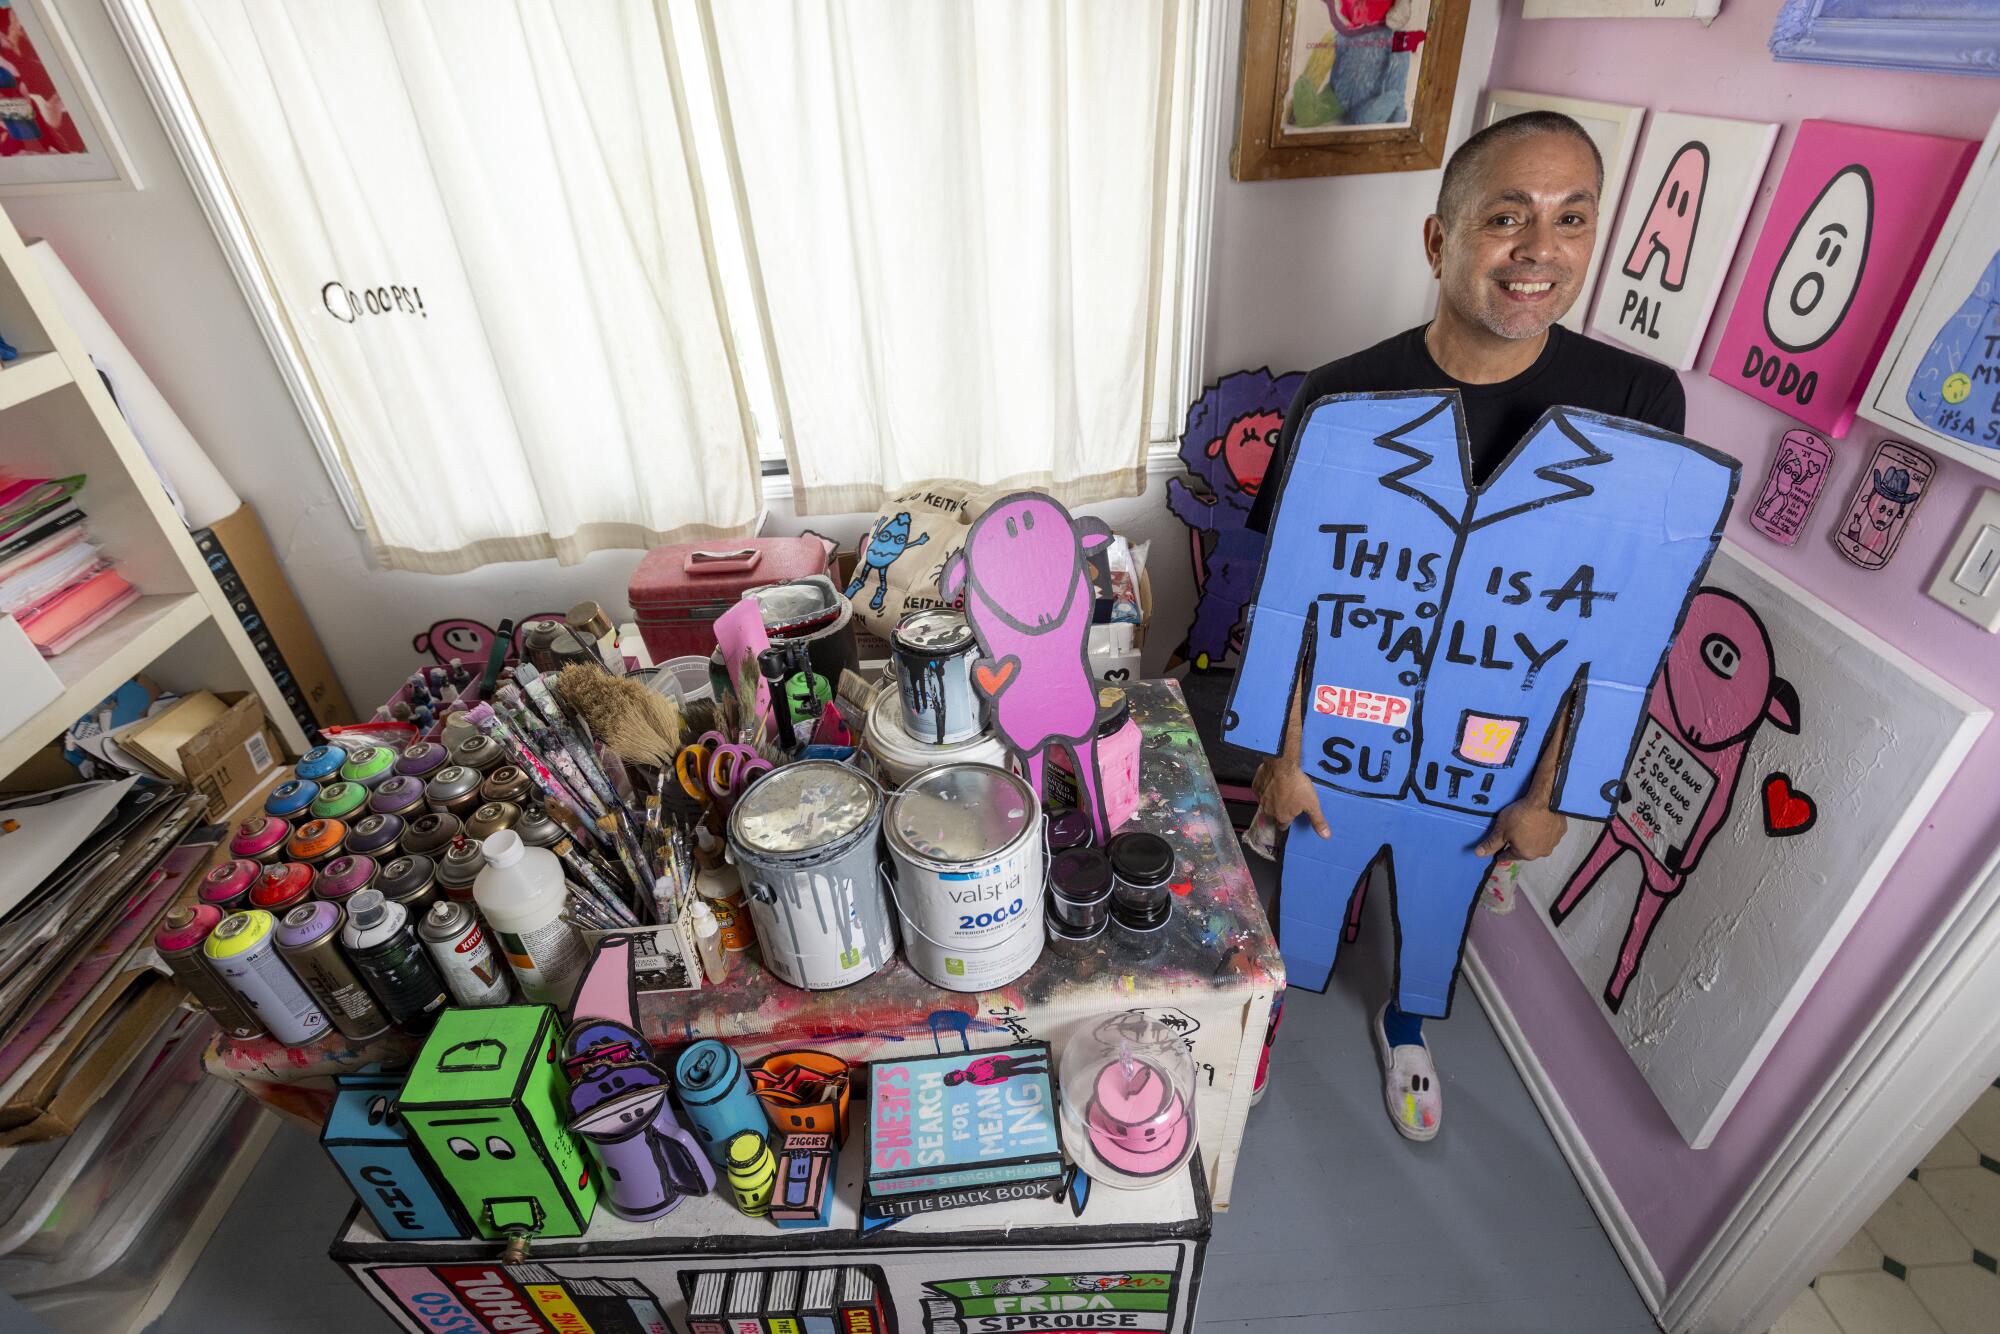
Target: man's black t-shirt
1572 372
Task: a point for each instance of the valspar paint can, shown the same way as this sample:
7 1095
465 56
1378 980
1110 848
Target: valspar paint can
473 973
903 756
934 653
307 938
803 837
965 845
243 953
179 940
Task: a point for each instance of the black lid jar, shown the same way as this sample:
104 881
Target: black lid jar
1142 865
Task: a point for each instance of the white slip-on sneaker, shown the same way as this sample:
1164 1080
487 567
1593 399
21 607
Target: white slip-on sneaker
1410 1088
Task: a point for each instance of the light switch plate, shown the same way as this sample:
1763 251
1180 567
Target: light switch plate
1973 563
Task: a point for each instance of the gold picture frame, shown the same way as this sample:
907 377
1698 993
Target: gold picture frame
1305 113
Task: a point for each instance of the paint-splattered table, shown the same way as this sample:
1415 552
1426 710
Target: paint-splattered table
1214 979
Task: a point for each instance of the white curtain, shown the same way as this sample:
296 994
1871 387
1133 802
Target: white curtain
956 214
485 228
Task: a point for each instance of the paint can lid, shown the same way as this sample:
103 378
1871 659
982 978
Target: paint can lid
291 796
428 834
455 782
337 801
491 818
231 880
320 762
316 839
807 807
1070 829
932 632
1080 875
419 758
960 813
1142 859
369 909
399 795
372 833
538 829
406 875
238 933
446 919
258 835
343 876
368 764
308 924
186 926
283 884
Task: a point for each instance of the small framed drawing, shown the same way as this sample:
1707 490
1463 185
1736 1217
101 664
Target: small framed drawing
1938 381
1342 87
1614 129
54 135
1928 36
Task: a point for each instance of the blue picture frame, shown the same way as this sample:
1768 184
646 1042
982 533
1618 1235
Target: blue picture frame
1927 36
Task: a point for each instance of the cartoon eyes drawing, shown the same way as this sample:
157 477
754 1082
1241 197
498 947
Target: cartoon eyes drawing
381 1111
462 1148
1721 655
1820 270
499 1148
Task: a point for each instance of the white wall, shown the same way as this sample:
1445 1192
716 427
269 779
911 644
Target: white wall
1286 291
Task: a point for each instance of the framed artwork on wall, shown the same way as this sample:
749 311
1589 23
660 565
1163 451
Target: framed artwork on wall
1343 87
54 135
1938 381
1928 36
1854 214
1691 196
1747 839
1614 129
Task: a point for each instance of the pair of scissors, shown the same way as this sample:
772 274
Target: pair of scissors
714 769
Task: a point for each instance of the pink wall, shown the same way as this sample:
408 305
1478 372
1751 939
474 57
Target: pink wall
1677 1197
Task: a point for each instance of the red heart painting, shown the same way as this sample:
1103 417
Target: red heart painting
993 677
1787 811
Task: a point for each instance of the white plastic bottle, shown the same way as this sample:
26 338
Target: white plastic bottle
708 939
521 894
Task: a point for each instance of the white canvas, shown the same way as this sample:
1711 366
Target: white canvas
1735 949
1959 275
1658 295
1614 129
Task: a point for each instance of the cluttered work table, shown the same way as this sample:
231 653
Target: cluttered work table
1214 979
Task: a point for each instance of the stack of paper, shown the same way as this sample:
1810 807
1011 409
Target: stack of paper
53 580
86 872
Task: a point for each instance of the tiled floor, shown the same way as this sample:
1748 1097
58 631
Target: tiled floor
1928 1262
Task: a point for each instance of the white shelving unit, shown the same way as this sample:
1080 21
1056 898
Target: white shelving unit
57 419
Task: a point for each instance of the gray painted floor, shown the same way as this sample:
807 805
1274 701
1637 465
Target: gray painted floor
1338 1227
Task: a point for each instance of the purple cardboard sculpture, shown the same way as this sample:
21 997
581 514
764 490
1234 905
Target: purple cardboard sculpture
618 1099
1028 598
1435 631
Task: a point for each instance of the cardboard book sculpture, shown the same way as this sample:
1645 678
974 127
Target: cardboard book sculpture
618 1098
1434 631
1027 595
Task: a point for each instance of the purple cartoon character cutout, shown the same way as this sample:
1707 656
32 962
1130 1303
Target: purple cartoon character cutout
1027 595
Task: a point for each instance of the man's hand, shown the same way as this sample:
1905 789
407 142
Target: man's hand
1526 826
1284 793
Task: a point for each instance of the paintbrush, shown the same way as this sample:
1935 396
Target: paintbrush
640 724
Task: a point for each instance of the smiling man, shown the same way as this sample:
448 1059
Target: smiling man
1510 243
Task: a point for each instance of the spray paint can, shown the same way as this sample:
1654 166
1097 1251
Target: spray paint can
282 887
752 1172
473 973
228 886
242 951
429 835
385 951
412 882
458 866
178 942
716 1095
307 940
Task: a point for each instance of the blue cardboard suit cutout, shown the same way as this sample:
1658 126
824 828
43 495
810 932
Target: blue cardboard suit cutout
1953 390
1434 630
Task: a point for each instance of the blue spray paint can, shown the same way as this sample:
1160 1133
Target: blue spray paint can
716 1095
934 654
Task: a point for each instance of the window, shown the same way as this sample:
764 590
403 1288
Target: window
551 277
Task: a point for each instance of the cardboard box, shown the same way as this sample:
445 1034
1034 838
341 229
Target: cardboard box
228 759
371 1146
239 555
88 1060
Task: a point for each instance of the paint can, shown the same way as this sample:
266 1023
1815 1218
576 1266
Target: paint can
965 845
480 753
903 756
377 836
803 838
290 799
472 972
490 818
307 938
321 763
420 759
384 950
400 795
458 866
341 801
316 841
410 880
507 783
538 828
228 886
429 835
934 652
344 877
244 955
261 838
369 766
716 1095
282 887
178 942
453 788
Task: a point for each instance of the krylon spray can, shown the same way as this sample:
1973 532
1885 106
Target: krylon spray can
384 950
307 938
178 942
473 973
241 949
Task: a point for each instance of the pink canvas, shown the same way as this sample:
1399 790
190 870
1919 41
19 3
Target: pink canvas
1854 216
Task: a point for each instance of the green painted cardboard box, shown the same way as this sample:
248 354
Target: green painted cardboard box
487 1100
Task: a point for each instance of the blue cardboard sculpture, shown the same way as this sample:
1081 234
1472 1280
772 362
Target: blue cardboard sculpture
1435 630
